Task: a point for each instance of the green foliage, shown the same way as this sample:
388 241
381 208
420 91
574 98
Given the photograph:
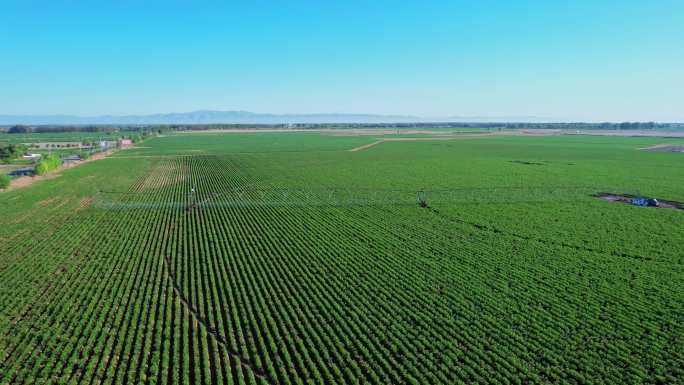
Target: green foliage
19 129
5 181
11 151
220 259
48 163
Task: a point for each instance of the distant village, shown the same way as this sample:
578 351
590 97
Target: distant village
37 157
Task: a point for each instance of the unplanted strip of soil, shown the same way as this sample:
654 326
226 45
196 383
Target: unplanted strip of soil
428 139
627 199
664 148
365 146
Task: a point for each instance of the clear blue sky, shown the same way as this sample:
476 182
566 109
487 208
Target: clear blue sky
579 60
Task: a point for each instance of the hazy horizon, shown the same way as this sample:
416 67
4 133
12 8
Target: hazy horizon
248 117
559 62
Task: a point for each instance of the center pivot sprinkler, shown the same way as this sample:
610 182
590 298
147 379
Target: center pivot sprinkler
421 198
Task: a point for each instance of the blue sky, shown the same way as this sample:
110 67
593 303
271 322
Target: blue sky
564 60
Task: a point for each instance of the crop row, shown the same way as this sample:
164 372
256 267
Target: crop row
162 285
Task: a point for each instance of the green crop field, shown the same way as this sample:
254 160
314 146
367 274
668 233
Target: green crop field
284 258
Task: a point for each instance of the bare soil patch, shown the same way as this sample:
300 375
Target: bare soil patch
424 139
383 132
85 202
24 181
664 148
627 199
167 176
627 133
365 146
46 202
541 132
99 155
445 137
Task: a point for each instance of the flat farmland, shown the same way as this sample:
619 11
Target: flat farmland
285 258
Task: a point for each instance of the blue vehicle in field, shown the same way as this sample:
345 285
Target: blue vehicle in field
643 201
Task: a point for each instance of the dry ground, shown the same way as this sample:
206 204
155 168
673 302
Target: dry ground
430 139
664 148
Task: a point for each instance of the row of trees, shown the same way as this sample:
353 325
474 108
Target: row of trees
483 125
11 151
26 129
23 129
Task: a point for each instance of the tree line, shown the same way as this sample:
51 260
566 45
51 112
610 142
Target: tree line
159 128
26 129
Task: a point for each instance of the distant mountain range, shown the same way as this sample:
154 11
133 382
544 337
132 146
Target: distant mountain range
243 117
